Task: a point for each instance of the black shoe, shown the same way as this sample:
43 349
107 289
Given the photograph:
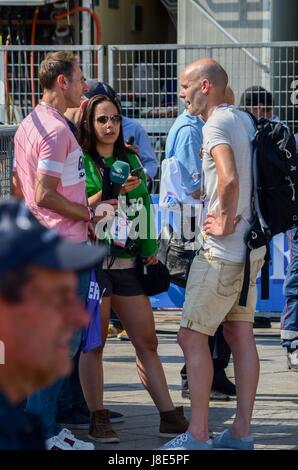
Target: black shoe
215 395
262 322
74 419
185 393
77 418
116 417
184 384
222 384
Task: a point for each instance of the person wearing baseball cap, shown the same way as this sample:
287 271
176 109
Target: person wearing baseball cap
39 313
133 132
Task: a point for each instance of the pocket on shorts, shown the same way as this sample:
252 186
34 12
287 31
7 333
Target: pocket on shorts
254 269
199 271
230 279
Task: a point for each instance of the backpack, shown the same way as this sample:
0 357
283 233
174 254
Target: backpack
274 199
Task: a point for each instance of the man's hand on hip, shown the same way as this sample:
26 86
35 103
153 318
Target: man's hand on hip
217 226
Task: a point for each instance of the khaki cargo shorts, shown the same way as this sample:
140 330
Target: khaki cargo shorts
212 293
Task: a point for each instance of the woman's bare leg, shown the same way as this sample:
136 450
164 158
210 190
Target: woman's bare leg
135 313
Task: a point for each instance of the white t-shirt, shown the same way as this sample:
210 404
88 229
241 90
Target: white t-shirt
228 125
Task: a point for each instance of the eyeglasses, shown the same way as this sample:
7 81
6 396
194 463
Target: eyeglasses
115 119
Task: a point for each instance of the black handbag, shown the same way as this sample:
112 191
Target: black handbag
154 279
177 254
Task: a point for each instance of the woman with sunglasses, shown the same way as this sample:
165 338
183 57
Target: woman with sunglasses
101 138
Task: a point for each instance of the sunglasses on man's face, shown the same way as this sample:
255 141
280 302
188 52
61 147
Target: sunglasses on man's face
115 119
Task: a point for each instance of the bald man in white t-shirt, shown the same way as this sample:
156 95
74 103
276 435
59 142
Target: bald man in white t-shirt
215 280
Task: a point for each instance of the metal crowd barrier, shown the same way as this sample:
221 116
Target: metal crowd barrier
147 79
6 159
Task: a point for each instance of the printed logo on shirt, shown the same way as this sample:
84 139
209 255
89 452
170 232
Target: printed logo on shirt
73 171
81 167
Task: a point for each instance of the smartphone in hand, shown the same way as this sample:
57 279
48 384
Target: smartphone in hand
137 172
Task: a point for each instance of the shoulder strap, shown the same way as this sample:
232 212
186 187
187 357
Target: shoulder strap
246 277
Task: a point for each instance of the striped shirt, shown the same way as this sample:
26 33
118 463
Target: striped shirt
44 144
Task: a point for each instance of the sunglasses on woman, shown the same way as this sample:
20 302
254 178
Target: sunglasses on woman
115 119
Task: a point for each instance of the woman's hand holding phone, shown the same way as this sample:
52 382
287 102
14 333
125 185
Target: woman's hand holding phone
137 172
131 183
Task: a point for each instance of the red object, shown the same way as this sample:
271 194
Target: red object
87 10
33 33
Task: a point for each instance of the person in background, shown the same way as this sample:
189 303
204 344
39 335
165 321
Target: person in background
259 102
134 133
39 313
100 136
289 317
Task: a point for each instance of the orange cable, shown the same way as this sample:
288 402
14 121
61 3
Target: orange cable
33 33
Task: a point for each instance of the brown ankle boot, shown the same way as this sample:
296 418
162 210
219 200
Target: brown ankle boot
173 422
100 429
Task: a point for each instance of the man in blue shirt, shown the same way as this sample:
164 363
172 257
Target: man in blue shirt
184 142
132 128
39 313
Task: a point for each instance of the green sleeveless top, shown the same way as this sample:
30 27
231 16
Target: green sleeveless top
135 199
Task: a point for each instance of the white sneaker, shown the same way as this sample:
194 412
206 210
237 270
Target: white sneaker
67 437
292 357
54 443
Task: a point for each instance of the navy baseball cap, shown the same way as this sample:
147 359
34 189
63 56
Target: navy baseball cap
24 241
99 88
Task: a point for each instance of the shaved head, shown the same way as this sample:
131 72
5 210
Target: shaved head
202 86
208 69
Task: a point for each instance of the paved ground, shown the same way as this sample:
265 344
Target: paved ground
275 422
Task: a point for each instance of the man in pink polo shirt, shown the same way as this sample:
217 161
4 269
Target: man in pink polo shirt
49 162
49 174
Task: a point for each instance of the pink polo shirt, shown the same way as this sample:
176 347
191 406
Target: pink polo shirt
44 144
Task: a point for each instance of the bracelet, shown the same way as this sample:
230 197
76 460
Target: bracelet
90 214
